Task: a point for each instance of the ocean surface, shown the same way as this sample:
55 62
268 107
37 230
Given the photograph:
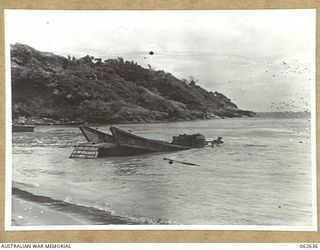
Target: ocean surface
261 175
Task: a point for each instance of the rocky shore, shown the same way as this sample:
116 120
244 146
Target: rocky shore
65 90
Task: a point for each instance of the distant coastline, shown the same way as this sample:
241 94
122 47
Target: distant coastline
285 114
52 122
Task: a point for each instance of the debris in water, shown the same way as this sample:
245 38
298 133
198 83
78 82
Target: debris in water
182 162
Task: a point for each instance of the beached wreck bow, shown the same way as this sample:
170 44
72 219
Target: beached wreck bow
123 143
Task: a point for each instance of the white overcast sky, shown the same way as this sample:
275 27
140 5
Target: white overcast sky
258 58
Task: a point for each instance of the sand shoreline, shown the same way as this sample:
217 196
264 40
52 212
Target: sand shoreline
28 213
33 210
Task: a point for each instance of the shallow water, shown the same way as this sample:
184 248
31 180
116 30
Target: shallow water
260 176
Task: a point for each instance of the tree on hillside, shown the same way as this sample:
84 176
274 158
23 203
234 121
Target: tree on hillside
192 80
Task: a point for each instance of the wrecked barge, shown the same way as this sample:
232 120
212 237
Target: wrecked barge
123 143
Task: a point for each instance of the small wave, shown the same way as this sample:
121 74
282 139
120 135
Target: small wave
254 145
23 184
153 221
144 220
97 215
139 220
55 172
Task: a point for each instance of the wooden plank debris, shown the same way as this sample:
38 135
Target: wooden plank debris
182 162
85 152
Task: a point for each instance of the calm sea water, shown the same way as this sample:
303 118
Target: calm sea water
260 176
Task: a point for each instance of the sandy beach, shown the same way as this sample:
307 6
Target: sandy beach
27 213
34 210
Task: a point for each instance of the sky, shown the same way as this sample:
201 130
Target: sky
263 60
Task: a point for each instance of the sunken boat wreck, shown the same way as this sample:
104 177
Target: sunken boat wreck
123 143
